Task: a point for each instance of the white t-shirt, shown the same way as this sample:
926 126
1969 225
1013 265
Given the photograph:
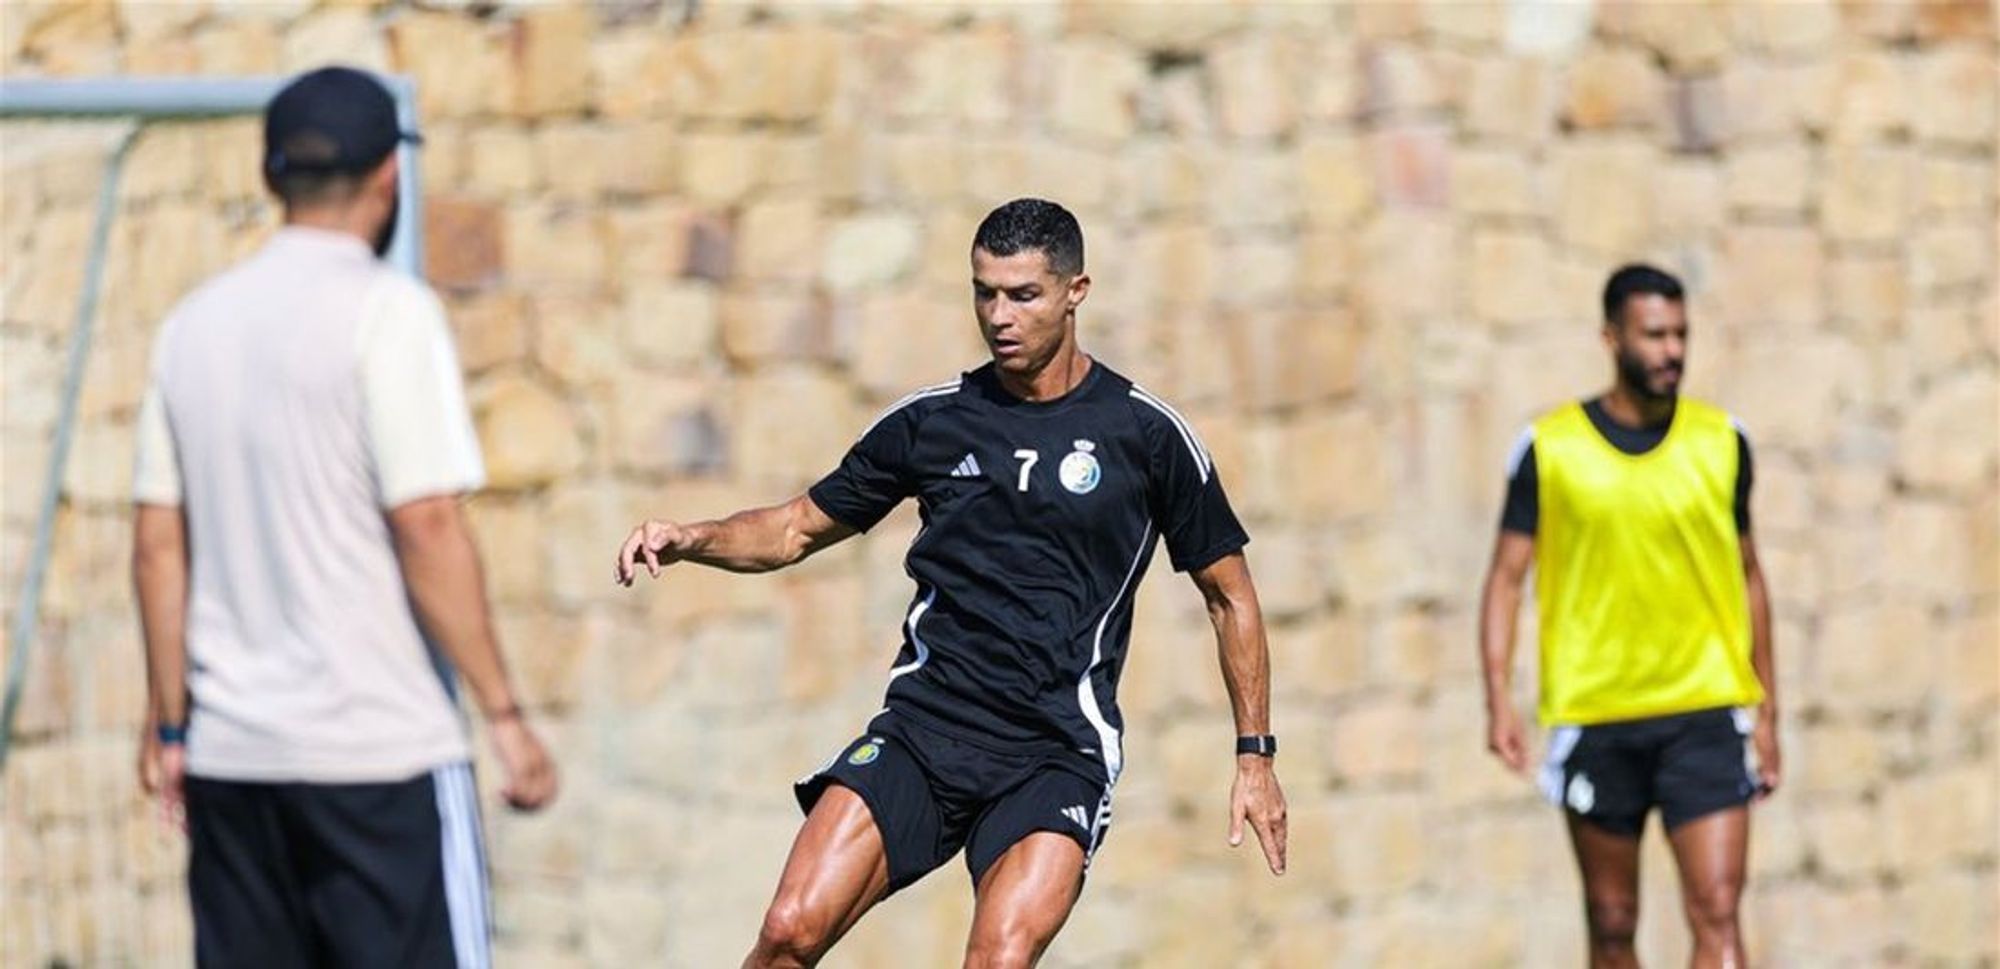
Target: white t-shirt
295 399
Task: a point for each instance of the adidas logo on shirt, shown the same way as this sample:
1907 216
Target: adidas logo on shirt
968 468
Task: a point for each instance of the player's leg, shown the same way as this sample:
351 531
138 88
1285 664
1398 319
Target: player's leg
1710 851
1705 784
1027 853
1023 900
1609 863
874 825
1603 780
837 870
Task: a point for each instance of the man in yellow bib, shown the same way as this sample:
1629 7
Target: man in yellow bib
1633 509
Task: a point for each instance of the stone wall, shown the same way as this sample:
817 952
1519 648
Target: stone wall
689 249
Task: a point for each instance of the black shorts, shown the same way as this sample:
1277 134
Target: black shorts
932 793
1688 764
307 875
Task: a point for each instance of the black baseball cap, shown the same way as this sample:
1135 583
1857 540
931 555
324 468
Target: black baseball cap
335 119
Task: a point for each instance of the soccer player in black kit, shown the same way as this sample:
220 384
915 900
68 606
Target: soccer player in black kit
1044 481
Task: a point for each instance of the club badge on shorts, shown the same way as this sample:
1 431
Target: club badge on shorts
1080 472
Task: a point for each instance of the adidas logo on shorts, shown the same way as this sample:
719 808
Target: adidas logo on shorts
1075 812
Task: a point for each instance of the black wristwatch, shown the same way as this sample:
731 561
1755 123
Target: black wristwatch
1263 745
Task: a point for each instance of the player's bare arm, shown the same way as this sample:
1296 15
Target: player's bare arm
1255 796
440 565
754 540
1513 553
160 574
1764 736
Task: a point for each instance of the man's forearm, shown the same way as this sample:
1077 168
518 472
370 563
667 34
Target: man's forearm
755 540
1498 608
1246 663
447 585
160 580
1762 659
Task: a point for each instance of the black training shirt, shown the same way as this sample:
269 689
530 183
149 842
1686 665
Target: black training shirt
1039 519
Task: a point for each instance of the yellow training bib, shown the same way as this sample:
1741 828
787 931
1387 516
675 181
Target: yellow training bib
1639 572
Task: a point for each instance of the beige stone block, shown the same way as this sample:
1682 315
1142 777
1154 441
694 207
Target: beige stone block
1094 90
1941 818
1868 194
1510 270
554 246
1507 98
1820 924
1253 78
334 36
632 73
1336 179
790 424
1863 653
1954 185
1948 254
1691 38
1162 178
509 532
906 341
1401 81
1951 916
869 251
1477 25
1777 99
237 46
1773 277
1382 845
1493 183
459 67
528 433
723 168
1954 95
1614 88
1413 165
550 54
779 240
1970 671
1772 178
1689 198
1789 413
1846 840
1604 199
1798 29
1378 742
1935 449
668 322
587 160
1254 189
1176 27
1873 94
1931 556
576 338
785 73
650 242
1867 289
759 327
491 329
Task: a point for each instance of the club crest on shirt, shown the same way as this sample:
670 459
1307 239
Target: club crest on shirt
1080 471
866 753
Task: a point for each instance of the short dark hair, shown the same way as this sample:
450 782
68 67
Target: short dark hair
1638 279
1025 224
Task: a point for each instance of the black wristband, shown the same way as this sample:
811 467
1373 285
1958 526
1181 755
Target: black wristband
171 733
1263 745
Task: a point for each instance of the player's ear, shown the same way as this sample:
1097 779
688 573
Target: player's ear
1079 287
